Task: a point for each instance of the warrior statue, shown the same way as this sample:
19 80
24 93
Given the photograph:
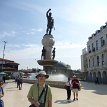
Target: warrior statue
50 22
53 53
43 56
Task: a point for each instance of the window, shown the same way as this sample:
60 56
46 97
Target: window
93 48
96 44
93 62
102 59
106 36
89 50
89 62
98 61
92 45
102 41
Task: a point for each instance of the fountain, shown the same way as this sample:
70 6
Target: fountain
48 52
52 77
48 57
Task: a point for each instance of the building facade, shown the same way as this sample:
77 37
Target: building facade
8 65
94 57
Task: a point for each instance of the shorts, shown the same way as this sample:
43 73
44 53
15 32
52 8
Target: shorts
75 90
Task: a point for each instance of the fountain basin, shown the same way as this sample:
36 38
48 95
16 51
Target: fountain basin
57 84
47 62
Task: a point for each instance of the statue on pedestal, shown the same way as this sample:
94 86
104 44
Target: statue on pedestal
50 22
53 53
43 56
48 51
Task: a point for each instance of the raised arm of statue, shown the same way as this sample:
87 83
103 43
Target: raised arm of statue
47 13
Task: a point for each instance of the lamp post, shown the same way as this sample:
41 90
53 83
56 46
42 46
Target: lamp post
3 53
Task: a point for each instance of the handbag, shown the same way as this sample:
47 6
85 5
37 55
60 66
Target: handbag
79 87
65 86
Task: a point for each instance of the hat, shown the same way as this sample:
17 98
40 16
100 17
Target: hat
74 76
42 73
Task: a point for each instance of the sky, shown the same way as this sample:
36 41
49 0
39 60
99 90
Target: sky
23 24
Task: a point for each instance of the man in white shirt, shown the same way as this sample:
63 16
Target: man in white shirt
68 88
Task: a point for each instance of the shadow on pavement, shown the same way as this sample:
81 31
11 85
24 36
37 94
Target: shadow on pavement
63 101
97 88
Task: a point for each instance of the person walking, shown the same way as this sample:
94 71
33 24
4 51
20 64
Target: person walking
75 87
1 94
40 93
68 88
19 82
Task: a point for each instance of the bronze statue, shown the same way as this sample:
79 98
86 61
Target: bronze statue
50 22
53 55
43 56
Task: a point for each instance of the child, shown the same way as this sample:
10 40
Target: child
1 95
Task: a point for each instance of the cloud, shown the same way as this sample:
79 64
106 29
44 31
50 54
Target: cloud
73 20
8 34
68 45
27 6
26 51
40 30
25 56
33 31
85 11
66 52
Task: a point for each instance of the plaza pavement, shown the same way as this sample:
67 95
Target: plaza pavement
91 95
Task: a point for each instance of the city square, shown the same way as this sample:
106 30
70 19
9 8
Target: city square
59 47
91 95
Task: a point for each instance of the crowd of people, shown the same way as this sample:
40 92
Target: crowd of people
40 94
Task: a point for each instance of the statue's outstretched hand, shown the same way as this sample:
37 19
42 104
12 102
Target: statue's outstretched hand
49 9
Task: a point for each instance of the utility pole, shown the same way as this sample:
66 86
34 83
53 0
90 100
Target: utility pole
3 53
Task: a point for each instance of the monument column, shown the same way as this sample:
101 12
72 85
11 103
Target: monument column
48 42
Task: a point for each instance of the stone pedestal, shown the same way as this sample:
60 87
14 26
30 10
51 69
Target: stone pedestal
48 43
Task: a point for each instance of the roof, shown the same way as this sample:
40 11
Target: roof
8 61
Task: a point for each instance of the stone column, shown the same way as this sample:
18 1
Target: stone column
48 42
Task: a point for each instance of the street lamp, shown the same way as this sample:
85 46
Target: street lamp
3 53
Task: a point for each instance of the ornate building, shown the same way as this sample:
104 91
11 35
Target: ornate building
94 57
